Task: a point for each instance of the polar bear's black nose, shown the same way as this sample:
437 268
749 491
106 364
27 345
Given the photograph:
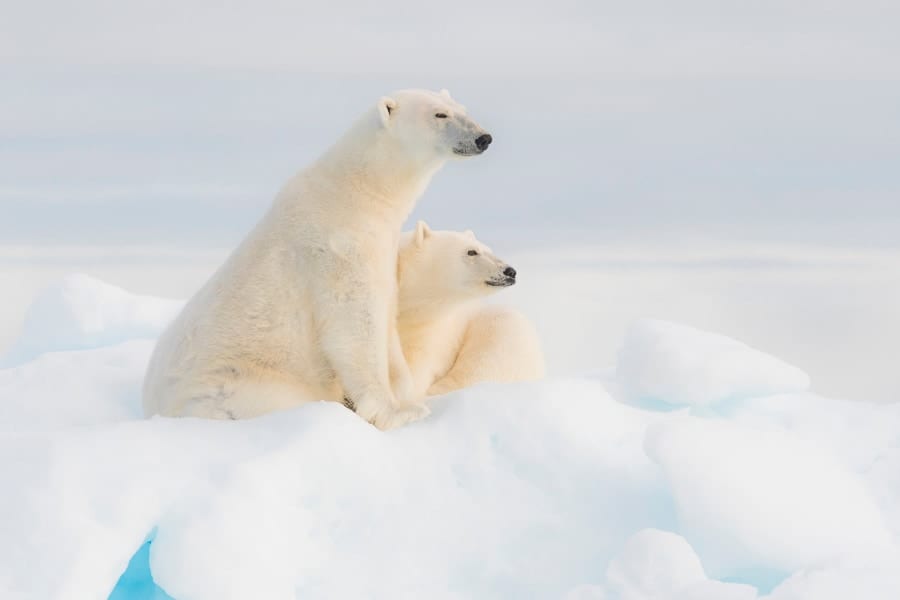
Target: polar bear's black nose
483 141
510 272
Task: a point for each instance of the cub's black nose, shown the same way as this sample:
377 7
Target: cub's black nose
483 141
510 272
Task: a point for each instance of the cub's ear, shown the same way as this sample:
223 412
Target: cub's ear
385 107
469 233
446 94
422 232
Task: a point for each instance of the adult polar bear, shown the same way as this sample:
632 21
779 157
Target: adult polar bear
305 307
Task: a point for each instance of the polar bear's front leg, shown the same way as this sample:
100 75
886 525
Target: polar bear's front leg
356 342
401 376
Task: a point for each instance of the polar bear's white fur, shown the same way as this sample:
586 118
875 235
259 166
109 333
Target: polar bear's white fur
304 309
451 339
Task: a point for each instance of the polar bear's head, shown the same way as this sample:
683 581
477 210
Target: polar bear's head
431 124
448 267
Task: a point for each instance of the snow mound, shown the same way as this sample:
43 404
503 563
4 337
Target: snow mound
761 500
679 365
467 504
660 565
60 389
840 582
556 489
82 312
654 564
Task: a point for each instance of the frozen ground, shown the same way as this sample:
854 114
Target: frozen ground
697 468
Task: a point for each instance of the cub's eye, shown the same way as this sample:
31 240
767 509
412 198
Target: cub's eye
440 116
472 252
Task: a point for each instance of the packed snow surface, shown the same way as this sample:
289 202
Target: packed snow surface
569 488
81 312
676 364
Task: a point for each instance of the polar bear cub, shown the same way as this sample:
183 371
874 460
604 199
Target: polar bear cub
304 308
450 338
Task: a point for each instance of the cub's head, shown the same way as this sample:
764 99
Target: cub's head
431 124
449 266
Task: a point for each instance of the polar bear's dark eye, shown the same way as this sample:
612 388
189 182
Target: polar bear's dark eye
472 252
440 116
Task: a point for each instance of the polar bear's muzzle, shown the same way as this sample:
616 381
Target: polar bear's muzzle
475 146
504 279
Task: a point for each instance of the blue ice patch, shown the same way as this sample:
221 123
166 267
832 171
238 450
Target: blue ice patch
136 583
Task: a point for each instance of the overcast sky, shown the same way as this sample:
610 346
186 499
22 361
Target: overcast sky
144 122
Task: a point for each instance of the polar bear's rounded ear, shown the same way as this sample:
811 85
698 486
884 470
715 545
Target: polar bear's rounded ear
422 232
446 94
469 233
386 106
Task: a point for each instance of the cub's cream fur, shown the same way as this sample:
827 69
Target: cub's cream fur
451 339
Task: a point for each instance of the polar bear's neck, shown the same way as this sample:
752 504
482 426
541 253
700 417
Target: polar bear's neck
372 168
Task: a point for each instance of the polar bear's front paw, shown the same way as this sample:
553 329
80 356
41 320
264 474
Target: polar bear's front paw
385 416
404 389
407 414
